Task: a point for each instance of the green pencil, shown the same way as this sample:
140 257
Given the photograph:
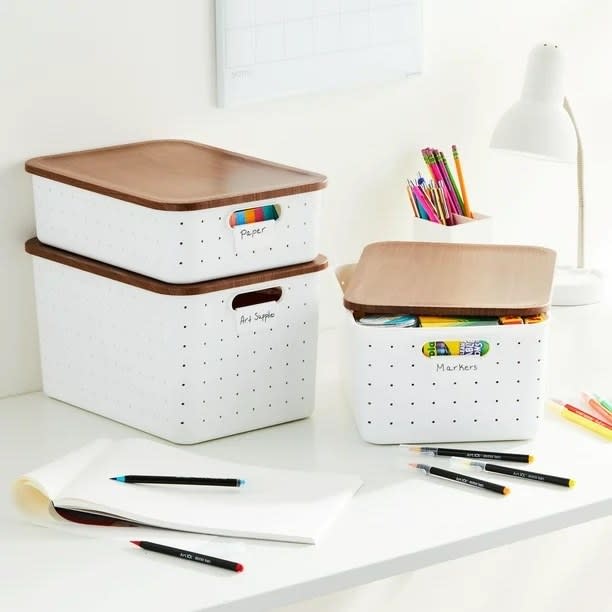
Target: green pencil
450 176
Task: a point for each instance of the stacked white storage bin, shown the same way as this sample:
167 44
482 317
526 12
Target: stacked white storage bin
156 308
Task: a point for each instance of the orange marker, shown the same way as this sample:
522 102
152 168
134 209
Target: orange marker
536 318
510 320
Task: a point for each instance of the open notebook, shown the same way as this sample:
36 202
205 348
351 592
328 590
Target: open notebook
275 504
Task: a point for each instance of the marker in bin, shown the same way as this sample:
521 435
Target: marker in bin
254 215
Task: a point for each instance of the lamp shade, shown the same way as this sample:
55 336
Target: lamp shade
537 123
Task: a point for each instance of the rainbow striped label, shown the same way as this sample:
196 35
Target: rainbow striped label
254 215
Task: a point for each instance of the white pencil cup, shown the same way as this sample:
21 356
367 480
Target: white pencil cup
476 229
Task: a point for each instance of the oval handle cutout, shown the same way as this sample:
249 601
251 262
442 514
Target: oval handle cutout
269 212
251 298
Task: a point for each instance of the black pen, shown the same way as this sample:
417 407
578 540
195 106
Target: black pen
517 473
472 454
432 470
180 480
189 555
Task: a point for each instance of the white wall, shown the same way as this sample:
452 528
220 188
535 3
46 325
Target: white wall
78 74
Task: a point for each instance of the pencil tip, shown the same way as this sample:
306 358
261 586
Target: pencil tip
530 459
572 484
137 542
118 478
506 491
241 482
239 567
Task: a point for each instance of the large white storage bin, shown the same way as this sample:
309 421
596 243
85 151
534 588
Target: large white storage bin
163 209
493 389
184 362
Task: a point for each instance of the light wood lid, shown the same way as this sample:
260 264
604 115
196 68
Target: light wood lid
175 175
38 249
433 278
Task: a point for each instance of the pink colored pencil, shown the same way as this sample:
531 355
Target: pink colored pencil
447 182
423 200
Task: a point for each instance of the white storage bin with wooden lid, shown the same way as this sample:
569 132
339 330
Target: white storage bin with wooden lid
439 383
184 362
173 210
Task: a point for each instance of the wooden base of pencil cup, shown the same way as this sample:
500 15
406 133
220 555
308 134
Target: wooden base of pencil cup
476 229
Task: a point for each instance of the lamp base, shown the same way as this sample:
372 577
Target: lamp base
576 286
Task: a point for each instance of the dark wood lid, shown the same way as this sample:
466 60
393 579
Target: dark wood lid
38 249
175 175
433 278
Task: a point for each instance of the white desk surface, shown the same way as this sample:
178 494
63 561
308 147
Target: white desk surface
396 523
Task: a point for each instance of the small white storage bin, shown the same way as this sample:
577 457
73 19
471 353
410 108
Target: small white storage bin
184 362
164 209
401 394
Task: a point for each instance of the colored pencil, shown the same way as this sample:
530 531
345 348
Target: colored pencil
597 406
454 185
447 182
607 405
466 203
584 419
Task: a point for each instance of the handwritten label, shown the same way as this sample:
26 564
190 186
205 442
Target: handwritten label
259 316
456 367
254 236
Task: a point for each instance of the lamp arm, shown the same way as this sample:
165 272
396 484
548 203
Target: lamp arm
580 181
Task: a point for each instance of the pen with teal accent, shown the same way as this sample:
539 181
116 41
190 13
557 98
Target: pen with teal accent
179 480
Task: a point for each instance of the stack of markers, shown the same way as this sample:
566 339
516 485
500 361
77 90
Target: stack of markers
430 321
439 199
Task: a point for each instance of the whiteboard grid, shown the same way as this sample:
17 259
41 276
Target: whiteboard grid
273 48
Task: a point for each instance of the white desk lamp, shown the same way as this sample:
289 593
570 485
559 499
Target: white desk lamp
541 124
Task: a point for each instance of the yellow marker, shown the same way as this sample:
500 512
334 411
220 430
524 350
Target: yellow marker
583 419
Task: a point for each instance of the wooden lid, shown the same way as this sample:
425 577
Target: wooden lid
433 278
175 175
38 249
